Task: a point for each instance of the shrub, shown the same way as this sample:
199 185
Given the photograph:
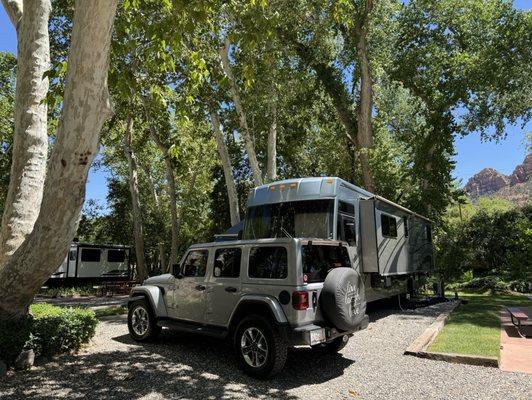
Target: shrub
55 330
13 337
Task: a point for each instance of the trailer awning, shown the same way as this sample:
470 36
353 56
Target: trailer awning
379 198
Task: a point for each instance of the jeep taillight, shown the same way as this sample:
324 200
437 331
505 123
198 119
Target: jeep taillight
300 300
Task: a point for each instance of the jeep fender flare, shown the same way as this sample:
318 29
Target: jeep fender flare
154 295
269 302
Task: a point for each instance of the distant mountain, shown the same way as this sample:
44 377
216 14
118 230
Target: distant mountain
516 187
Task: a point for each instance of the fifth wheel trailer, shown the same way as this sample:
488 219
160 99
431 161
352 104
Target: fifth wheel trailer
389 243
91 263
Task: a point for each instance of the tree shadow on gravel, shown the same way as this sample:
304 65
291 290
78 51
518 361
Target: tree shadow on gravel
175 366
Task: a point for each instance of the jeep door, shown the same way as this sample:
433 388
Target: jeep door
190 294
224 285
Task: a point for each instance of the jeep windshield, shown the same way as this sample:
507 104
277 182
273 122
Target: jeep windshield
301 219
318 260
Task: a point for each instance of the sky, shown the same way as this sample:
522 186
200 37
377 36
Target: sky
472 154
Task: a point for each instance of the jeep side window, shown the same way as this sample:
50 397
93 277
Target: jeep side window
268 262
196 263
227 263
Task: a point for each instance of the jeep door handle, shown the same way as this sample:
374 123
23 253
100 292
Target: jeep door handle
200 287
231 289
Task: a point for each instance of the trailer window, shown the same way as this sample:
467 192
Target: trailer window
72 254
319 260
405 223
346 229
388 226
268 262
196 263
116 256
346 208
90 255
310 219
227 263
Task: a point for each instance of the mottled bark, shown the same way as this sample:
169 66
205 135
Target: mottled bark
245 132
153 189
86 106
138 227
227 168
14 10
331 80
172 195
30 139
271 170
365 106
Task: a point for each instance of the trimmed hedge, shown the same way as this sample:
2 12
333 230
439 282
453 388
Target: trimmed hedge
48 330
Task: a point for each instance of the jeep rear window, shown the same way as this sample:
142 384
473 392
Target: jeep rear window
319 260
268 262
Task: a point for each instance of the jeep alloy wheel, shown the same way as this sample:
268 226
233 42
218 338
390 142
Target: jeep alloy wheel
260 347
141 321
254 347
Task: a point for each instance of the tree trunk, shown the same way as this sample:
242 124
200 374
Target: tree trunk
271 170
331 79
172 195
227 168
30 139
86 106
162 258
248 141
138 228
365 133
153 189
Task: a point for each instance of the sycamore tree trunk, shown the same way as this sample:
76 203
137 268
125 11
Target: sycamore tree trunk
172 195
155 197
138 227
227 168
271 170
86 106
331 80
30 139
365 106
244 127
153 189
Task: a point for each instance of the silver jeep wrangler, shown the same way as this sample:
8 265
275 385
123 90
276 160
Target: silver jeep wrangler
265 295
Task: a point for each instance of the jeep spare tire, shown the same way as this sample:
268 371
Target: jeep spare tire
342 298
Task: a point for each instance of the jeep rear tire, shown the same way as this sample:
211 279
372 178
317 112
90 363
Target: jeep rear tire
260 347
141 322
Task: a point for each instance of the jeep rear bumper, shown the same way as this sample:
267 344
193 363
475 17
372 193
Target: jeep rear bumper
315 334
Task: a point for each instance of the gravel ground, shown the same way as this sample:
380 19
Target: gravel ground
181 366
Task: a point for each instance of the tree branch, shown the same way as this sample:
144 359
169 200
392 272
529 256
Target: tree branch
14 11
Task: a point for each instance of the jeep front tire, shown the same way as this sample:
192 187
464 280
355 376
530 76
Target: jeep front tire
141 322
260 347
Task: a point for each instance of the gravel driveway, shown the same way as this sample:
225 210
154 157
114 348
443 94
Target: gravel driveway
181 366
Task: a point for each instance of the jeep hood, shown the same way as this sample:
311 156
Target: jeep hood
154 280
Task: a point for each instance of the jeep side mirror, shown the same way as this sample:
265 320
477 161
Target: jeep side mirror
176 271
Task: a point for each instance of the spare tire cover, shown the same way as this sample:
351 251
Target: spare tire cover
342 299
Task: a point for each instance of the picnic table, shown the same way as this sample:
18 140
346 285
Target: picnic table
520 319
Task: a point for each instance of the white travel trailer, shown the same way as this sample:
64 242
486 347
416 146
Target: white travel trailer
92 263
391 244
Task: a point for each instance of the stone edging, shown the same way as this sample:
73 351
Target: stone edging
419 347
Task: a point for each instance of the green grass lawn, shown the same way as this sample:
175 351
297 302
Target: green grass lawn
474 328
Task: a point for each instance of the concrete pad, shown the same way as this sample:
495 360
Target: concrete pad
516 351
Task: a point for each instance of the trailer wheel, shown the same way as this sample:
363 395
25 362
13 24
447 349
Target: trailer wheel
141 322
